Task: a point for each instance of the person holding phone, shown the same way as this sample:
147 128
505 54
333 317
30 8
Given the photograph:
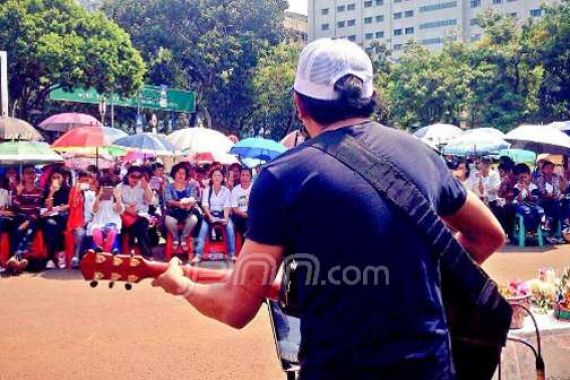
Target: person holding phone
107 210
136 196
81 198
55 214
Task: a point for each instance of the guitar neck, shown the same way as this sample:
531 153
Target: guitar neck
208 276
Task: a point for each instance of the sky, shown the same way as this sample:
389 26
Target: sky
299 6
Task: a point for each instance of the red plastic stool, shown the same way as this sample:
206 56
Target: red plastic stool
126 248
169 247
4 248
214 248
38 249
69 247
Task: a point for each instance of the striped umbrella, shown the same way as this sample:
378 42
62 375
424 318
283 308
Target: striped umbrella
147 143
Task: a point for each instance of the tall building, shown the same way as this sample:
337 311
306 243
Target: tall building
297 26
394 22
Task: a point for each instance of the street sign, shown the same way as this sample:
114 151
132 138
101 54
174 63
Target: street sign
150 97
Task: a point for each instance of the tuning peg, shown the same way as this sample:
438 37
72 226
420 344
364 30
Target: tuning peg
111 284
115 252
128 286
93 284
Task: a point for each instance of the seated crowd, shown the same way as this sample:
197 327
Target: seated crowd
126 207
539 197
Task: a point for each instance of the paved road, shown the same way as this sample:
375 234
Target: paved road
56 327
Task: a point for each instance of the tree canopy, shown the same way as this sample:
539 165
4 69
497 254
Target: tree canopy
56 43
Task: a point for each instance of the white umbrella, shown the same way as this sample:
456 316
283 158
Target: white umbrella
484 132
439 133
539 139
476 143
564 126
200 140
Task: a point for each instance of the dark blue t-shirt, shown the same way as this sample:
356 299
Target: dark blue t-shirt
371 299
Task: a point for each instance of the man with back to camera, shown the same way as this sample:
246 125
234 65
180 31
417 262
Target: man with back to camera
307 202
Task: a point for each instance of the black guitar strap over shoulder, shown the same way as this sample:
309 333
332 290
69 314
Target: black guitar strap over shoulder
478 316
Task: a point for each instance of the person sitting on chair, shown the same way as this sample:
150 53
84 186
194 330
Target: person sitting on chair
81 198
107 210
216 203
240 201
526 198
180 198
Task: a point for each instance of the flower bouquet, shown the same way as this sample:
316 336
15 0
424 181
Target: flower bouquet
562 304
543 289
517 294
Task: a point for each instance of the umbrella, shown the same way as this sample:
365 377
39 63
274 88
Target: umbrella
200 140
475 143
27 152
257 147
86 139
63 122
519 156
564 126
483 132
207 158
83 162
16 129
292 139
439 133
147 143
539 139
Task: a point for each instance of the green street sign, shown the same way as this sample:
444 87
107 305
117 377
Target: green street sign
150 97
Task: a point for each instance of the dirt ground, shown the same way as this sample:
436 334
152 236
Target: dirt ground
56 327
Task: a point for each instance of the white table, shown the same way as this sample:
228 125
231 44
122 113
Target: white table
518 361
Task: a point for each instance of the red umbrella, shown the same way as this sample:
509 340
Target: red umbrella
65 121
87 137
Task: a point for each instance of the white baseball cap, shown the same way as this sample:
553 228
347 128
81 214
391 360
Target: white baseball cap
323 62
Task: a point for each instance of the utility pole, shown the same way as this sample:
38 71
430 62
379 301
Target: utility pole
4 82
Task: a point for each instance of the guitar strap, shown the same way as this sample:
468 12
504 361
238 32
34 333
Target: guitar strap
478 316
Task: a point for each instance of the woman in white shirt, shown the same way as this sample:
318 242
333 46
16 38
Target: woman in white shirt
216 203
240 201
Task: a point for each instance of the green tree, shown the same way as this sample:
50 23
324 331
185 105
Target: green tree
273 79
56 43
550 38
210 46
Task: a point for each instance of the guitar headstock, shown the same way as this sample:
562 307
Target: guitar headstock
97 266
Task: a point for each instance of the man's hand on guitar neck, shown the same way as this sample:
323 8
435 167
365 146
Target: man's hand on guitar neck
236 300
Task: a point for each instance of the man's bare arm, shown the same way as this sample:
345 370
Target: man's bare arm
479 232
236 300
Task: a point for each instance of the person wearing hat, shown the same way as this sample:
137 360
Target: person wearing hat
308 205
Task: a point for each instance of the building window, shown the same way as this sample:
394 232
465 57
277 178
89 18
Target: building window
496 2
340 24
351 7
341 8
398 32
397 1
369 36
409 30
398 46
352 38
432 41
325 11
475 37
438 24
368 4
325 27
473 22
379 2
379 34
397 15
536 12
475 3
510 1
437 7
513 15
368 20
380 18
409 14
351 23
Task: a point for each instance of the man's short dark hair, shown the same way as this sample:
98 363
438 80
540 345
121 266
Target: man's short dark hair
349 104
522 169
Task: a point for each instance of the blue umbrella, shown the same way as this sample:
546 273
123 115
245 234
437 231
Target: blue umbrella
257 147
147 143
473 144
